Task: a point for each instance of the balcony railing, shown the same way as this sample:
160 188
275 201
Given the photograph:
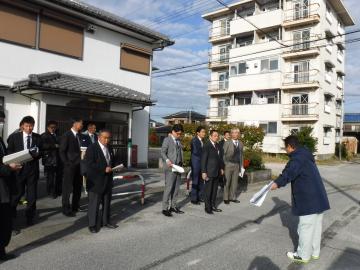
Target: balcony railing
216 60
301 77
218 86
296 111
217 113
340 57
219 32
340 84
302 12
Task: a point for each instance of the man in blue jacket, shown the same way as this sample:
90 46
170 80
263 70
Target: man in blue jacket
197 186
309 199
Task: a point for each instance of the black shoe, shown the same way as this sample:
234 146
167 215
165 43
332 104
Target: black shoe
215 209
69 214
111 226
7 256
176 210
210 212
201 200
235 201
195 202
167 213
15 232
93 229
226 201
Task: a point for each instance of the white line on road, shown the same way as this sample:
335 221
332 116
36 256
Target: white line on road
193 262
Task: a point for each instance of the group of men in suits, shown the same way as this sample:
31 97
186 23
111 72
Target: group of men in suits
61 159
211 162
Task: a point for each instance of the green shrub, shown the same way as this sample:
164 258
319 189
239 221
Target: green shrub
306 139
256 160
187 156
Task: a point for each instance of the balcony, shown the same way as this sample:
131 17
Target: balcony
262 20
301 16
219 60
328 78
239 53
340 30
338 111
300 112
257 81
340 57
217 34
218 87
217 114
300 49
301 80
326 140
340 84
241 113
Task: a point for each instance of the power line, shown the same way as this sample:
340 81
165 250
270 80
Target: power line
200 68
273 49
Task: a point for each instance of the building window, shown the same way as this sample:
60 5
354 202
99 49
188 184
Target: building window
242 68
135 59
61 37
269 128
269 64
18 26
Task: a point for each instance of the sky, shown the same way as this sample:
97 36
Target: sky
181 21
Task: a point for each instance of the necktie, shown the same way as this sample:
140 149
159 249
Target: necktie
92 138
2 149
236 144
28 142
78 139
107 155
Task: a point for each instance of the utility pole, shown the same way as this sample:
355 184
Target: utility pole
341 125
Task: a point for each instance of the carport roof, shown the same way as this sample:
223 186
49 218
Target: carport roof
67 84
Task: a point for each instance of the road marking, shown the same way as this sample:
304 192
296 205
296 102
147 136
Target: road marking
254 230
193 262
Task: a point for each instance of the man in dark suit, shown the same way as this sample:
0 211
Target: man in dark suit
70 155
197 186
89 136
212 167
51 160
99 159
28 176
225 138
5 206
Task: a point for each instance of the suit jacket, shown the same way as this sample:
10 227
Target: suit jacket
86 140
50 149
69 150
229 149
16 144
169 150
5 173
212 160
97 180
196 151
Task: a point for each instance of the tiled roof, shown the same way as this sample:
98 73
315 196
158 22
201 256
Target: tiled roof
186 114
109 17
352 118
70 84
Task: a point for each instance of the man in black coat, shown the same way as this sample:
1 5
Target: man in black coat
309 199
51 160
28 176
5 206
70 155
89 136
212 167
99 159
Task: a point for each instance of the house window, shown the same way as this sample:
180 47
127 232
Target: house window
269 128
242 68
60 37
135 59
269 64
18 26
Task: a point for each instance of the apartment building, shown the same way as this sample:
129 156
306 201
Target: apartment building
65 58
279 64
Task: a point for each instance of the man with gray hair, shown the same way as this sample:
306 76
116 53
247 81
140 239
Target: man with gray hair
233 159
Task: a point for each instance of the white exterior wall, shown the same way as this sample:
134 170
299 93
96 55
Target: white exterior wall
101 60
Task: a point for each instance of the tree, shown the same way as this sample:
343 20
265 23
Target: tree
306 139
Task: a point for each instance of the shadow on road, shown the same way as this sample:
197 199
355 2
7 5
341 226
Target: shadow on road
262 263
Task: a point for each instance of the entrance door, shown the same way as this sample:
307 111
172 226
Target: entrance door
223 80
301 72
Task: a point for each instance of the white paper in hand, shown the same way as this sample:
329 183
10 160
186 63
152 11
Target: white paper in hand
18 157
242 171
118 167
259 197
178 169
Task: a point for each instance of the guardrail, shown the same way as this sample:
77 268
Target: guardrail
131 177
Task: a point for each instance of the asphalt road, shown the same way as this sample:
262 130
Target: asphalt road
241 237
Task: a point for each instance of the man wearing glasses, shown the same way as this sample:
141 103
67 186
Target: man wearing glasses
172 154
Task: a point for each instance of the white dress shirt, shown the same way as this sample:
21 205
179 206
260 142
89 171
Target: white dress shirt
25 138
105 152
74 132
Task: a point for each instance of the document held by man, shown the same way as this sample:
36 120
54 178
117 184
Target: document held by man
259 197
242 171
18 157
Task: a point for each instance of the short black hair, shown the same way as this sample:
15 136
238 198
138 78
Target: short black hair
200 128
104 131
177 128
75 120
51 122
213 131
27 120
226 131
91 124
293 141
